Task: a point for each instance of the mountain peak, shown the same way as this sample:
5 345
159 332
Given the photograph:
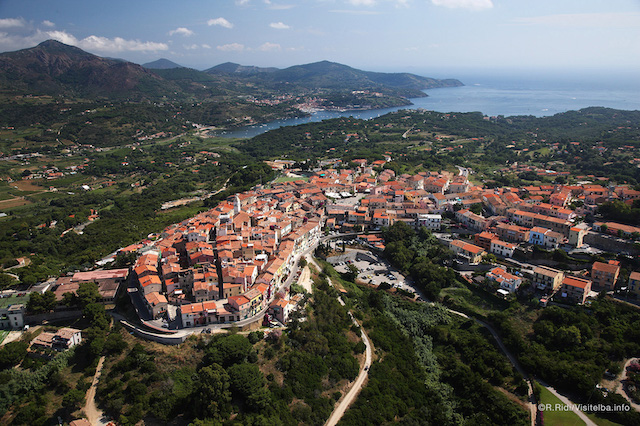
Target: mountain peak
162 64
53 67
51 43
57 47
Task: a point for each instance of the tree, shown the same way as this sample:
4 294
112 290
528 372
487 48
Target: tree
248 381
399 231
6 280
352 273
97 315
115 344
476 208
41 303
73 399
228 350
87 294
212 395
12 354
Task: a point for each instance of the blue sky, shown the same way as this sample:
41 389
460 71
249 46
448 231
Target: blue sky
439 37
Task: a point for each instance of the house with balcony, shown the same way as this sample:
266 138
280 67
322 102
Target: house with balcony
506 280
468 252
574 289
513 233
432 222
547 279
605 275
502 248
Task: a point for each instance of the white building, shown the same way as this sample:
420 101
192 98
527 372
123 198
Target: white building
430 221
12 317
507 281
502 248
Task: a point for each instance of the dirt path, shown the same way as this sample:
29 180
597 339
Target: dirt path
11 337
346 401
91 410
305 278
512 359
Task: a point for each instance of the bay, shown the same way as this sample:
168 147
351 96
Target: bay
495 95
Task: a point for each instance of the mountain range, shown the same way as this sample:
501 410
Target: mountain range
54 68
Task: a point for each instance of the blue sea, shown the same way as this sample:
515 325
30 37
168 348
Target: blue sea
507 95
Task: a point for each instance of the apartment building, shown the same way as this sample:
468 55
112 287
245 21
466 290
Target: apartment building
605 275
547 279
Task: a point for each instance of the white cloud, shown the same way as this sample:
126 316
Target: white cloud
191 46
355 12
279 26
362 2
6 23
16 33
181 31
278 6
206 46
587 20
220 22
464 4
63 37
269 47
242 2
232 47
105 44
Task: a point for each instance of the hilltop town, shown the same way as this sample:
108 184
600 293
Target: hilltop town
229 263
233 236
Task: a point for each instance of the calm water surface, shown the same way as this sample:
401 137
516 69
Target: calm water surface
538 96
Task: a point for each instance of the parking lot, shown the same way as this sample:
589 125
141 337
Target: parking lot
373 269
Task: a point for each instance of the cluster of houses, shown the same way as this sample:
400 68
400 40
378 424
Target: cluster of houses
230 263
528 216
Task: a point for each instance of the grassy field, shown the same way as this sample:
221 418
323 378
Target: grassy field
13 300
557 417
475 299
3 335
11 203
289 179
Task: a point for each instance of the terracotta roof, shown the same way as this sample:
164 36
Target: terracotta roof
605 267
575 282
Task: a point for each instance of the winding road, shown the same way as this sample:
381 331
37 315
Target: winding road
348 399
